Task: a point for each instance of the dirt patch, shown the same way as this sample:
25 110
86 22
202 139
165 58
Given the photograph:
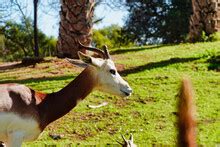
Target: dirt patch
51 67
146 100
9 65
121 103
136 114
83 135
208 121
62 63
94 116
120 67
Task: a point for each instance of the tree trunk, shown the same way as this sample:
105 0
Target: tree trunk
36 48
202 19
75 24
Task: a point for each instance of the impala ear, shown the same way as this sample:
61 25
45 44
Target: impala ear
85 58
78 63
89 60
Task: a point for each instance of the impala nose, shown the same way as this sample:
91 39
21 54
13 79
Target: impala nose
127 90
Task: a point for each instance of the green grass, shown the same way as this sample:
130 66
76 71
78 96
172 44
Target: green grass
154 73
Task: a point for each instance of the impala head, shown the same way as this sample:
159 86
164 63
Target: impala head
106 75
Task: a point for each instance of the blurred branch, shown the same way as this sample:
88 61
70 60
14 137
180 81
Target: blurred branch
98 20
50 6
5 11
11 8
113 4
16 3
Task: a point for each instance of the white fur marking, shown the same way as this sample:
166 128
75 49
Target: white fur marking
24 92
12 124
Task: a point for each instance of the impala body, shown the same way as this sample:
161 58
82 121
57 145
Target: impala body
24 113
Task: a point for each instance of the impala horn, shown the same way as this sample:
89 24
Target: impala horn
104 55
106 52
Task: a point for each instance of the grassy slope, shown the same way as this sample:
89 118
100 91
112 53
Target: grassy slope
155 74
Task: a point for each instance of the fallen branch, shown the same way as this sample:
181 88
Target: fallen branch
98 106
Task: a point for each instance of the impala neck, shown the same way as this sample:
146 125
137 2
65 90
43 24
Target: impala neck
56 105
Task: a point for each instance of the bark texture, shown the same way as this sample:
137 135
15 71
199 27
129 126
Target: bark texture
75 24
203 19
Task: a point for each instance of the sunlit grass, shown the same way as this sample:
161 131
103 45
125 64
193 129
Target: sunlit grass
154 73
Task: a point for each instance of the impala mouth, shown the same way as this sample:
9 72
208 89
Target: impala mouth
126 93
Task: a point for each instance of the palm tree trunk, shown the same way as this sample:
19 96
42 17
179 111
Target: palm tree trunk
202 19
75 24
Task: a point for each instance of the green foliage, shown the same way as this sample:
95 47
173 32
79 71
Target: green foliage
100 40
47 45
19 41
158 21
203 37
154 73
110 36
2 42
214 37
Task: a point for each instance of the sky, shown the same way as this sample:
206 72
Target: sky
49 24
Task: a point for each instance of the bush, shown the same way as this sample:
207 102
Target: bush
214 37
110 36
100 40
2 42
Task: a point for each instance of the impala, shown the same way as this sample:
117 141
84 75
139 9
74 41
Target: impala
25 113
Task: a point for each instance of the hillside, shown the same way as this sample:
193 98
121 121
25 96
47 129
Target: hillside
154 73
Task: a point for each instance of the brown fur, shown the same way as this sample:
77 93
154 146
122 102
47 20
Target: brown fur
186 120
56 105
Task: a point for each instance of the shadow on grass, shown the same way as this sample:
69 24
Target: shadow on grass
214 63
15 65
122 51
42 79
153 65
11 66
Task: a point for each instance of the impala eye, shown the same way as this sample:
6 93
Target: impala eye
112 71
